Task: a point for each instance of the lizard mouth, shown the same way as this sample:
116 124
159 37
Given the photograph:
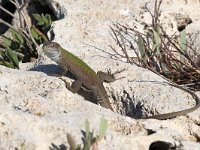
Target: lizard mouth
53 54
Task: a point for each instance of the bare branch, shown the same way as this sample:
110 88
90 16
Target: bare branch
21 13
26 3
9 13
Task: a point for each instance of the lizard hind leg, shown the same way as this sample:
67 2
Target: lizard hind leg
74 88
109 77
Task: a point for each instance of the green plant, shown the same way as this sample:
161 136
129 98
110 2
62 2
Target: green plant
164 54
44 22
16 48
22 42
89 140
22 146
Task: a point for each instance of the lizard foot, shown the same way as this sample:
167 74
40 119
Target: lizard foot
109 77
116 72
67 84
74 87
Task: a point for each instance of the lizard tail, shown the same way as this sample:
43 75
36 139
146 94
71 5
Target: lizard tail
178 113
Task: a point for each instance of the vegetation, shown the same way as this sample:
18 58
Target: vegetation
89 140
20 44
164 54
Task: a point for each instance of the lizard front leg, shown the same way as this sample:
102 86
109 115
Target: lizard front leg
109 77
75 86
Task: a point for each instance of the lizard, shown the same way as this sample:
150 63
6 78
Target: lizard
87 78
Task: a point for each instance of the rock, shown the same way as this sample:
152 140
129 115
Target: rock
38 111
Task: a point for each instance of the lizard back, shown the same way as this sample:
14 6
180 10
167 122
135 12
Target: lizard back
89 78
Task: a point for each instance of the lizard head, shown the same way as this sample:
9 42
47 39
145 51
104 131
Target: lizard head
52 50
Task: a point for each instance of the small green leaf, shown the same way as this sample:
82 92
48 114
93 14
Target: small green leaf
157 41
38 34
45 21
16 36
183 41
13 57
40 23
154 47
87 143
49 19
102 128
34 34
22 146
43 17
87 129
39 19
7 42
141 47
8 64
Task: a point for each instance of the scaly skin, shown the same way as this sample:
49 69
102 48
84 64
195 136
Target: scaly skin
85 76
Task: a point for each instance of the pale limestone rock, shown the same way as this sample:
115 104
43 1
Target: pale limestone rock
38 110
